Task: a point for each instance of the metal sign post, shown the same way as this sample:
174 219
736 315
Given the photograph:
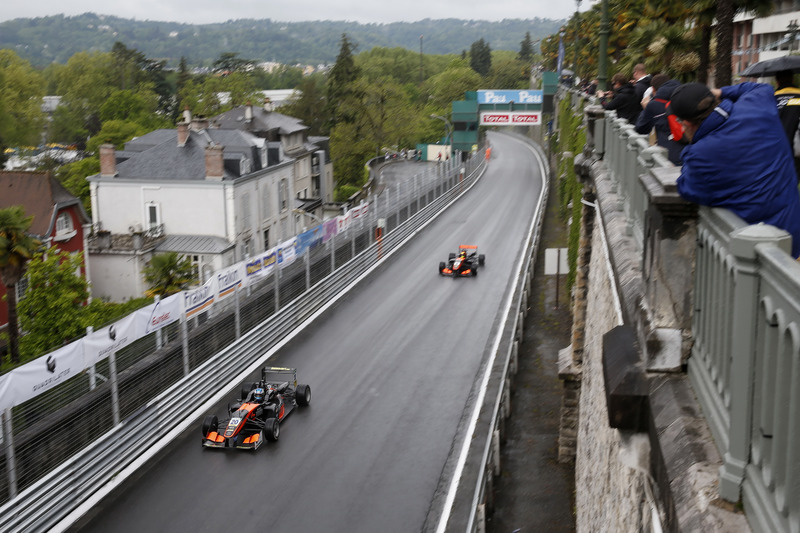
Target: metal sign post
555 262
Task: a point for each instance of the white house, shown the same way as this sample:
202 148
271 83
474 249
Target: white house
214 194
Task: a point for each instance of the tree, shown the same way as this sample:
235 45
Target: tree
73 177
339 89
509 74
309 105
726 10
17 247
167 274
229 62
21 92
51 314
526 49
480 57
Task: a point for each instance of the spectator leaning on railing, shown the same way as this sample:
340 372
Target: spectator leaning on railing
739 157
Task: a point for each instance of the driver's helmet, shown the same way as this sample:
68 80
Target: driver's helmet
463 254
258 394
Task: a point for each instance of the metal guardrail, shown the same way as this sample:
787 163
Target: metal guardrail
71 488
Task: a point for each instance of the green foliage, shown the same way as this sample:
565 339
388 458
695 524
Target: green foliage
50 312
167 274
44 40
571 138
344 192
17 248
509 74
116 132
73 177
310 104
229 62
480 57
99 314
526 49
21 92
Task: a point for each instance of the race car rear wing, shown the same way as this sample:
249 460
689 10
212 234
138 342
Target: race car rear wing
468 247
277 374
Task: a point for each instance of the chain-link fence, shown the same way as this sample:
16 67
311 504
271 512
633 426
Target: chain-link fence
44 432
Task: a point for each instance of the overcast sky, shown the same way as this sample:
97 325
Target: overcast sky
364 11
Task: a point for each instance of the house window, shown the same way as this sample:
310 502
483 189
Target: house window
247 248
21 287
245 210
153 215
265 210
63 223
283 194
196 265
266 239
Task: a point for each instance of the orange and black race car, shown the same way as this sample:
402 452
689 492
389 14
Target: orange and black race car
464 263
257 415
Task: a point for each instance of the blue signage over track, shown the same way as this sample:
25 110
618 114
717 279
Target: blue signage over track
506 97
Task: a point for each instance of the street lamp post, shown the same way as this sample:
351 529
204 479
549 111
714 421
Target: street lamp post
577 29
448 128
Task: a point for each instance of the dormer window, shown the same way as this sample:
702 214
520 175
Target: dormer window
64 228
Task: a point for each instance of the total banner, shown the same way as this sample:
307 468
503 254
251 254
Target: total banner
510 118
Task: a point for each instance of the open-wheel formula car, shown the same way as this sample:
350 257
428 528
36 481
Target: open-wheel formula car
464 263
256 416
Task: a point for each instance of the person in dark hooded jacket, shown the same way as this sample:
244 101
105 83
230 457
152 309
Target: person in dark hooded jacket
739 157
654 115
625 101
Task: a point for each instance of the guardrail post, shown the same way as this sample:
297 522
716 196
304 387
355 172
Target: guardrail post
11 462
237 313
185 345
307 262
159 339
332 245
92 370
743 351
112 371
276 282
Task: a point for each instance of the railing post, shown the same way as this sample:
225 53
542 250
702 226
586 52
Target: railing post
185 345
92 369
11 462
112 376
307 263
159 339
276 280
237 313
743 349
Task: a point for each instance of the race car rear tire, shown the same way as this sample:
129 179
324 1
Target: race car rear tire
442 266
272 429
210 423
303 394
247 386
481 259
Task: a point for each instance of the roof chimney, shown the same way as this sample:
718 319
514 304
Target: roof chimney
108 160
268 107
187 115
214 162
248 112
183 133
199 123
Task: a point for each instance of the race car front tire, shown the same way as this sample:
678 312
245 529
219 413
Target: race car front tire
272 429
210 423
442 266
303 394
481 259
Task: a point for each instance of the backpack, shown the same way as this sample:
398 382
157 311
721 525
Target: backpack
675 127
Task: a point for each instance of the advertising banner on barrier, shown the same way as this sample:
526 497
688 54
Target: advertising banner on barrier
507 96
330 229
102 342
230 279
42 374
287 252
510 118
196 301
308 240
161 313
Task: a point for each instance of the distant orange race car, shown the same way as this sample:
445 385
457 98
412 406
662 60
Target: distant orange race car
258 413
465 263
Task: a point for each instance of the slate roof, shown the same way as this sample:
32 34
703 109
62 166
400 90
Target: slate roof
40 194
157 155
262 121
194 244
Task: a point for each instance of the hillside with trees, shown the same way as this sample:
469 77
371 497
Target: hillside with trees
45 40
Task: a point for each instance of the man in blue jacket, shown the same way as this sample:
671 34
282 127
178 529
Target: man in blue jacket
654 115
739 157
